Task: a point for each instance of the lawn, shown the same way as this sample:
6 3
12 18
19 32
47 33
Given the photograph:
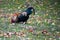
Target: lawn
44 25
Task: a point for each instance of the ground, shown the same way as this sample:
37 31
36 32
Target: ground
44 25
36 28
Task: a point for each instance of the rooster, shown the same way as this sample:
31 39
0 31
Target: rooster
23 16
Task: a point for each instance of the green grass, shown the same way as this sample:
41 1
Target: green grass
50 27
45 19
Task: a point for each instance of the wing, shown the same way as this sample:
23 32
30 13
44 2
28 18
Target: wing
23 17
24 13
19 17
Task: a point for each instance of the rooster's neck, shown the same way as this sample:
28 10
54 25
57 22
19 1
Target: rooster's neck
28 11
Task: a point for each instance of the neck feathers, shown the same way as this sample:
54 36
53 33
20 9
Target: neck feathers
28 11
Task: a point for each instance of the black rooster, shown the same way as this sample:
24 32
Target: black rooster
24 16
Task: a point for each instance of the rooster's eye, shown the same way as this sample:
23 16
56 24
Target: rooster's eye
31 9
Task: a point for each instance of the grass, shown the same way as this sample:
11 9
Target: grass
39 26
38 23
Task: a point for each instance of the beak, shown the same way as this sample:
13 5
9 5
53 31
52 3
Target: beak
33 11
